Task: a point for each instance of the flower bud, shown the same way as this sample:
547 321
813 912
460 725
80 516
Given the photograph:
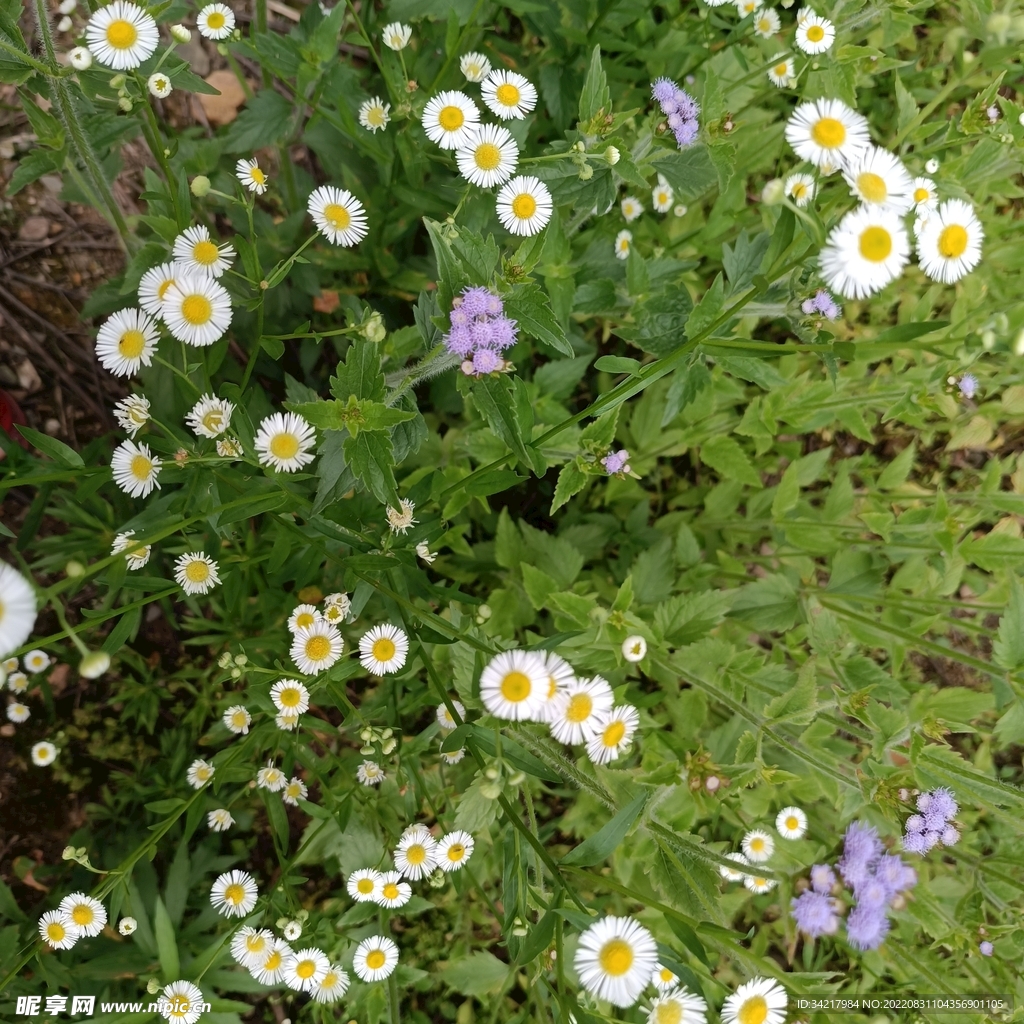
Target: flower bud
74 569
200 186
152 986
586 172
180 34
127 925
612 155
94 664
65 25
125 104
490 790
68 853
492 773
117 81
774 192
374 329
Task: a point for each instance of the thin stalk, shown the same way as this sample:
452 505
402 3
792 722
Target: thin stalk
394 1009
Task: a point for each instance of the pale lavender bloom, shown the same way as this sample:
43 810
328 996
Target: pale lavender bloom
686 134
478 323
482 334
950 836
932 838
616 462
942 800
861 848
822 303
915 823
663 89
504 332
915 842
493 306
486 360
823 878
873 893
460 340
475 300
968 388
867 927
924 801
814 914
894 874
986 948
680 110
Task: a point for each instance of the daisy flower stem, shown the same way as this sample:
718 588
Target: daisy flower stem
154 139
548 157
240 74
813 222
369 45
457 48
163 57
394 1008
531 813
58 609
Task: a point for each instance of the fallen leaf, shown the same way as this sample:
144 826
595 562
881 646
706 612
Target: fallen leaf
326 302
223 108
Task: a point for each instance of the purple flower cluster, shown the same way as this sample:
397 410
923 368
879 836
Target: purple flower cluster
823 304
680 110
968 385
480 331
814 911
932 826
616 462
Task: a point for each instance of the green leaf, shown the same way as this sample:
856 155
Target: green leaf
479 974
355 415
617 364
260 503
57 450
571 480
539 586
278 817
477 255
494 397
8 905
605 841
371 458
540 937
126 627
166 945
787 494
33 166
687 383
894 476
360 374
798 704
707 310
595 97
690 172
528 305
1008 648
660 321
264 121
724 454
688 937
450 277
768 604
743 260
601 432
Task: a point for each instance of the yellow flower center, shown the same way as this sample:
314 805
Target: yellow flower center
215 20
132 343
141 467
284 446
214 421
375 115
290 697
82 915
206 253
792 823
616 957
337 216
456 852
487 156
121 34
799 190
304 619
55 930
318 648
613 734
164 285
872 187
330 980
921 195
273 961
197 309
781 70
668 1013
180 1005
416 854
580 707
390 891
257 175
815 34
515 687
507 95
234 893
764 25
255 943
953 241
375 959
524 206
239 719
666 976
451 119
875 244
383 649
757 845
305 969
197 571
829 133
753 1011
365 886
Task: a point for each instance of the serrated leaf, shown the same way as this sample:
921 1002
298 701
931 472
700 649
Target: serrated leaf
528 306
360 374
595 97
494 397
707 310
797 704
355 415
371 458
724 455
1008 648
571 480
479 974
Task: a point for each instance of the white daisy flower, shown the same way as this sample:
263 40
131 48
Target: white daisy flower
791 823
369 773
375 958
291 794
827 131
759 884
229 448
290 696
489 156
237 719
678 1006
865 251
782 71
333 985
613 733
251 175
182 1002
800 188
303 616
508 95
196 573
924 195
663 979
514 685
803 14
316 648
450 118
524 205
396 36
269 969
17 682
88 915
159 85
210 416
400 519
931 166
560 676
383 649
631 208
284 440
126 341
444 716
340 601
286 721
731 874
135 469
662 196
761 1000
36 661
949 243
374 114
199 773
80 58
153 287
197 310
292 931
453 756
127 925
475 66
815 34
121 35
745 7
234 893
577 708
879 179
453 850
416 854
57 931
364 885
758 846
271 778
767 23
216 21
249 945
623 243
132 413
339 216
615 959
634 648
198 253
393 892
18 712
44 753
219 820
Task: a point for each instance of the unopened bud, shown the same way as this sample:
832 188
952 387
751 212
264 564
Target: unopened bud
492 773
117 81
374 329
200 186
586 172
74 569
125 104
152 986
180 34
491 790
612 156
773 192
94 664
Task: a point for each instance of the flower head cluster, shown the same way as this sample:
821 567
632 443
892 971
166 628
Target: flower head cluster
616 462
680 110
78 916
822 304
815 911
480 332
932 825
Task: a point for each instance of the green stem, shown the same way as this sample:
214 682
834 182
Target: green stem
154 139
457 48
394 1008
